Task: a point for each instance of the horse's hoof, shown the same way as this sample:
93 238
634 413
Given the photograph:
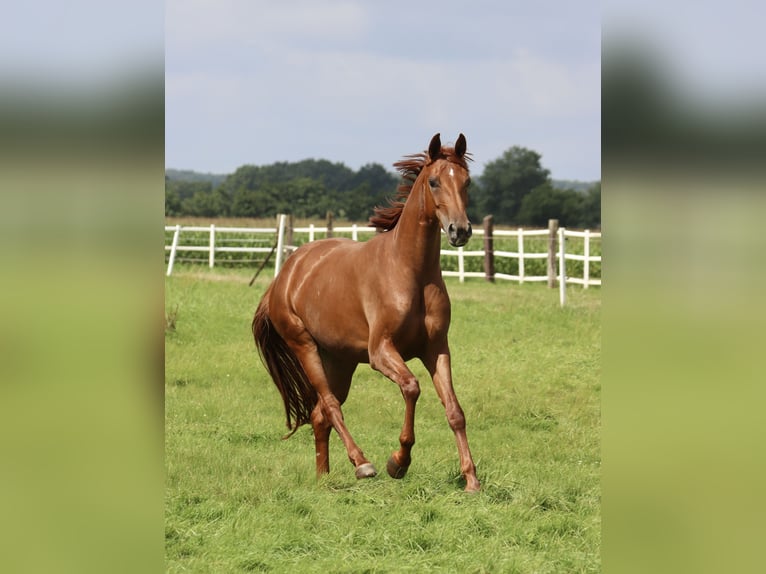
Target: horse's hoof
394 470
472 486
366 470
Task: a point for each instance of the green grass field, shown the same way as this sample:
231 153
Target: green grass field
239 499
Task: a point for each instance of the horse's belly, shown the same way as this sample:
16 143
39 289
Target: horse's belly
340 334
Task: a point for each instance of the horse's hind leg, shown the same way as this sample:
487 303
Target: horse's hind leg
306 351
322 428
339 376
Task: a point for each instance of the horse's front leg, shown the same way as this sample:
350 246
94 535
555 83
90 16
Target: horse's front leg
387 360
439 365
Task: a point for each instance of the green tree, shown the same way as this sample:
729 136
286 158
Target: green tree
184 189
546 202
591 208
207 204
307 188
247 203
306 197
506 181
371 186
172 202
572 208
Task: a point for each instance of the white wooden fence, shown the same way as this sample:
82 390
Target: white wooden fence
219 243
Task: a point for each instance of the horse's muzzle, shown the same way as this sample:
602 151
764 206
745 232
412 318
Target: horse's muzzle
459 235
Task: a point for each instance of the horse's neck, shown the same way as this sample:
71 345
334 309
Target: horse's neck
416 237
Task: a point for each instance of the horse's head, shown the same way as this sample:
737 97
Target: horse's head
448 180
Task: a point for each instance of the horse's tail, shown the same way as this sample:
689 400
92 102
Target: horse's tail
299 396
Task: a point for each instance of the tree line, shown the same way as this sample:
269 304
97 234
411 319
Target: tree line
515 188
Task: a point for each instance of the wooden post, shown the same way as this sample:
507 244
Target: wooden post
329 224
289 230
489 250
553 227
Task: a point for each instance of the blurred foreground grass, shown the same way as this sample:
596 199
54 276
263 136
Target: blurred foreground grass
684 314
683 371
81 341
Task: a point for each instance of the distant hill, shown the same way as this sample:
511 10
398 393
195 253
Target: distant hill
190 175
573 184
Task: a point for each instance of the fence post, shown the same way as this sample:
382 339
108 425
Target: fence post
211 258
461 264
489 250
553 226
329 224
289 230
562 266
280 243
354 232
173 248
311 232
586 263
520 250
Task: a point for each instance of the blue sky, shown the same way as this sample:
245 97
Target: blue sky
255 82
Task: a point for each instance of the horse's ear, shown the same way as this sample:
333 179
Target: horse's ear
435 147
460 146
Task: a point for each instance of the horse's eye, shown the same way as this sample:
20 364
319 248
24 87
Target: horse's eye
468 182
433 182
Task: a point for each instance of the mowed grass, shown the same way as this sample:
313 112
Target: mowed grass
239 499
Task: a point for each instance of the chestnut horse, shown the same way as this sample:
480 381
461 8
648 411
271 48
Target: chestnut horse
337 303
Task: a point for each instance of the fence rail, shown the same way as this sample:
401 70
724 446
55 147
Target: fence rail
280 240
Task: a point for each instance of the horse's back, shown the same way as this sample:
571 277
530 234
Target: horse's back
319 260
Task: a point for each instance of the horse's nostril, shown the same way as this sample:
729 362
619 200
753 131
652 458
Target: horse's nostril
451 229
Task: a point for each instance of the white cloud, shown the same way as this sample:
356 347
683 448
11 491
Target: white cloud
197 24
352 82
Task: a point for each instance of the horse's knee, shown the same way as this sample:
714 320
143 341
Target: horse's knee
410 389
456 418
